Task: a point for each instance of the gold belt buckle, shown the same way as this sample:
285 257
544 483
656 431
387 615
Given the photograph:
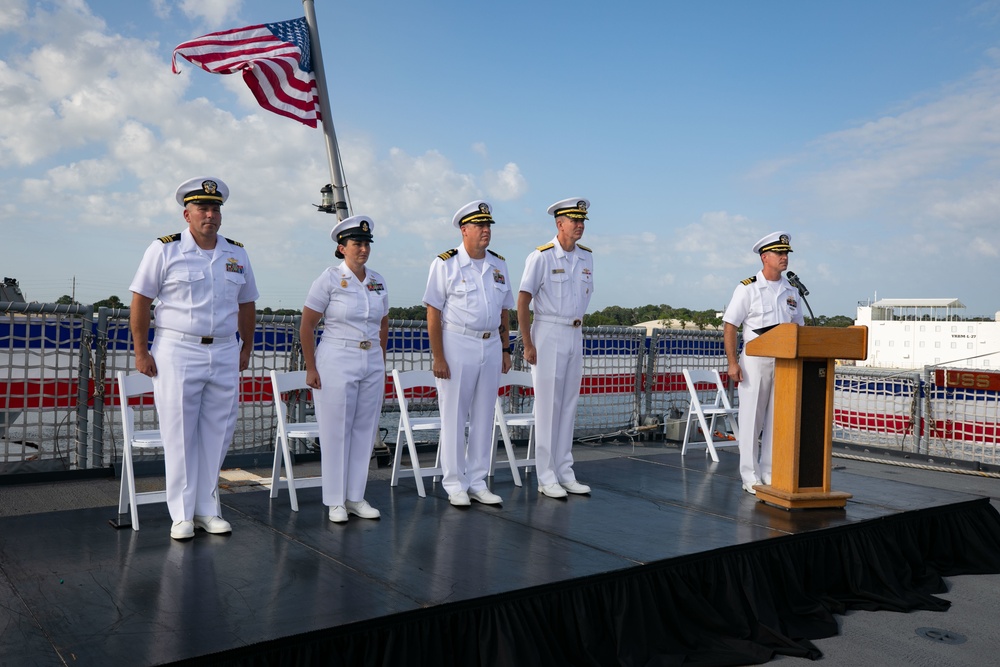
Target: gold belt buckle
487 335
365 345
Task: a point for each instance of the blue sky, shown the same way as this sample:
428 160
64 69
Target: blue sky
868 130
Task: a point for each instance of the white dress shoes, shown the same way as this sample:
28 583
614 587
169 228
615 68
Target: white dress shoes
749 489
552 490
485 497
212 524
182 530
362 509
575 487
338 514
460 499
767 479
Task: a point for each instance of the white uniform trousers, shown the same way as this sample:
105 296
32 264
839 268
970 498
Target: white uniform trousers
469 395
556 377
196 392
347 409
756 416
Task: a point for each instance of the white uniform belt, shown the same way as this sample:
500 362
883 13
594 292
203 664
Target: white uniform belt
555 319
347 342
454 328
191 338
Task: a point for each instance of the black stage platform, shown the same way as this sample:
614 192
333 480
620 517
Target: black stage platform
668 562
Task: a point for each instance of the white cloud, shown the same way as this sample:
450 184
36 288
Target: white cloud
96 126
923 157
13 14
214 13
506 184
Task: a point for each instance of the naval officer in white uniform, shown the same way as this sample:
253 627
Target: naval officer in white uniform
468 296
559 278
206 293
759 303
347 372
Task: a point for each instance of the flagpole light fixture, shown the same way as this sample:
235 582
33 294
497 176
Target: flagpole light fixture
326 192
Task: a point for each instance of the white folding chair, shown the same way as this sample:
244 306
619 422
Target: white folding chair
282 383
403 382
702 411
131 385
503 421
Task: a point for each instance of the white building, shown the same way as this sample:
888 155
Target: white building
913 333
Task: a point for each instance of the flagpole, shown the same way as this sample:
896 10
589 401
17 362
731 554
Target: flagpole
332 151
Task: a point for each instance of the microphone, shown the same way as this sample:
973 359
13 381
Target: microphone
796 283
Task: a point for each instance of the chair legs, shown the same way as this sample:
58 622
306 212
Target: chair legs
512 462
281 453
126 495
707 430
403 436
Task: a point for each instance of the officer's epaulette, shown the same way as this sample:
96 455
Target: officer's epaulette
448 254
169 238
583 247
500 257
235 243
547 246
749 281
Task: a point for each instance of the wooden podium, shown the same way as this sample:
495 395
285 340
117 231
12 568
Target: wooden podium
802 451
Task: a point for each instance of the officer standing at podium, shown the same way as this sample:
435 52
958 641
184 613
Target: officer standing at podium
759 303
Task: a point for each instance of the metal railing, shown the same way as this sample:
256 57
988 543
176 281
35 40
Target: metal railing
59 406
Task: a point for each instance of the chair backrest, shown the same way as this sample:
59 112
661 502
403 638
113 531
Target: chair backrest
129 386
285 382
133 384
404 380
694 377
282 383
516 379
723 394
510 401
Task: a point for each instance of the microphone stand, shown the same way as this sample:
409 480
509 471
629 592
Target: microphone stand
812 318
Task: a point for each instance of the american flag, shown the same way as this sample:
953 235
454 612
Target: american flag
275 60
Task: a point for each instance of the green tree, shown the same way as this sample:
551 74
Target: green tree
111 302
417 313
839 321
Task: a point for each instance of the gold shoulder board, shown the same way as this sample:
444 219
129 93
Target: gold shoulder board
583 247
235 243
448 254
749 281
500 257
547 246
169 238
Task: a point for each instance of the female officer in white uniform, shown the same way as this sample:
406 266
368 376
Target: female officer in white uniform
347 372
